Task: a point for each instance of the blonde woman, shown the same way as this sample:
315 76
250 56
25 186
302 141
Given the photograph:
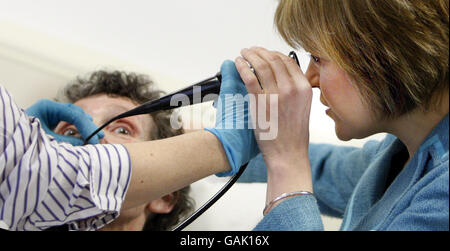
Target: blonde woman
381 66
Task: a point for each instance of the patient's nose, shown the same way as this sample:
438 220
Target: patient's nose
104 140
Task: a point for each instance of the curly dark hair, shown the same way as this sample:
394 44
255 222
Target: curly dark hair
140 89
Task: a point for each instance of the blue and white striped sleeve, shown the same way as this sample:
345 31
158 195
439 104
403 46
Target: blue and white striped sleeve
44 183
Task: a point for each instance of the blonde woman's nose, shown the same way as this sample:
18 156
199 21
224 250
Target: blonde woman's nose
313 76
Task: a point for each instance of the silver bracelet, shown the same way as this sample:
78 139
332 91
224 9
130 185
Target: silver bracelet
282 197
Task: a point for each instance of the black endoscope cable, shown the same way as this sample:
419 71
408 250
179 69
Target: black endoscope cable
208 86
213 200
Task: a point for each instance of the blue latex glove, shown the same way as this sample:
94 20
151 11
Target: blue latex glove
50 113
239 144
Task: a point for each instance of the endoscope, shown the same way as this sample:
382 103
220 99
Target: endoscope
201 89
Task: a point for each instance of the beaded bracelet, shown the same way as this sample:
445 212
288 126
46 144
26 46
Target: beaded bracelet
282 197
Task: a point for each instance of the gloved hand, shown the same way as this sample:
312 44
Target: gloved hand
50 113
232 120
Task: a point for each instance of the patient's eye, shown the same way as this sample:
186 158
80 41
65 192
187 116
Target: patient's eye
122 130
72 132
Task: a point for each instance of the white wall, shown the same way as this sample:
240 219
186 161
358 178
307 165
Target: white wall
46 43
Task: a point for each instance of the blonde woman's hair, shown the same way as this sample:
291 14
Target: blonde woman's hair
396 51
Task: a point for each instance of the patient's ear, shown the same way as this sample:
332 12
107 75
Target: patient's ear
163 205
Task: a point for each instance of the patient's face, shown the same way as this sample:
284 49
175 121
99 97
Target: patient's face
102 108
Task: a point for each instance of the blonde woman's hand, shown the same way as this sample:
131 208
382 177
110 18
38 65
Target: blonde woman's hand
286 98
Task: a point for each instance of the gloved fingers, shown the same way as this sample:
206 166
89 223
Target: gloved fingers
76 108
228 71
231 80
86 128
82 121
39 110
233 115
263 70
80 110
231 83
50 113
91 126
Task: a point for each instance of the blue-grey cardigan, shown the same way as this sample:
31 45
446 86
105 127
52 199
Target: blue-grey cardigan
350 183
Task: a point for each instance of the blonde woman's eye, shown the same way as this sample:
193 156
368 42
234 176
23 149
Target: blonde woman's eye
122 130
316 59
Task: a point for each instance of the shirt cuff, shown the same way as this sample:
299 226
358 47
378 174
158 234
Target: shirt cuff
108 181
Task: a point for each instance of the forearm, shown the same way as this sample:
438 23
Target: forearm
163 166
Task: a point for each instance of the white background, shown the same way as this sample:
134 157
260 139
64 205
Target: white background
46 43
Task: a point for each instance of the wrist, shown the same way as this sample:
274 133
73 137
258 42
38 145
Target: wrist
283 177
239 147
283 165
282 197
216 145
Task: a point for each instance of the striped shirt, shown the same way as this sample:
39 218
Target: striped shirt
44 183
